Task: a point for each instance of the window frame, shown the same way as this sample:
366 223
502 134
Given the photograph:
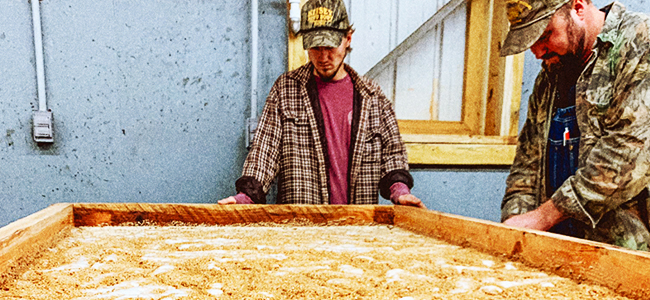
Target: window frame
487 133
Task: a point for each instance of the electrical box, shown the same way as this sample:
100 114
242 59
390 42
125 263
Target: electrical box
43 131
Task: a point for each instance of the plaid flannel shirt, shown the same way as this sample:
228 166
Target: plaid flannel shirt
290 143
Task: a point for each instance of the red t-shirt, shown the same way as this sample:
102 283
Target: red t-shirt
336 98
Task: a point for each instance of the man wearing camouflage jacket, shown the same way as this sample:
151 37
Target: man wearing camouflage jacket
329 135
595 72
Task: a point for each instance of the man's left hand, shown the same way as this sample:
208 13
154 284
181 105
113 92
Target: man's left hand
410 200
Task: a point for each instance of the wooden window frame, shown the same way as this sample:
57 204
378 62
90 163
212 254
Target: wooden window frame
487 133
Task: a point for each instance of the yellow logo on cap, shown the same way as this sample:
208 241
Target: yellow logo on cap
515 9
320 16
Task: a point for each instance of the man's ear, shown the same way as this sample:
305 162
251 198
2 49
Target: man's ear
579 7
348 38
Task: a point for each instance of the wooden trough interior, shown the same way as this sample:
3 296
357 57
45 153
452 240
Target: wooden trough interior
625 272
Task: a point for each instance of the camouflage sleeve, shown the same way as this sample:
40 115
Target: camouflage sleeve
614 164
521 183
262 160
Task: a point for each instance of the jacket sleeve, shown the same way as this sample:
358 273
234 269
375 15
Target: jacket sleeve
615 159
394 162
522 182
261 165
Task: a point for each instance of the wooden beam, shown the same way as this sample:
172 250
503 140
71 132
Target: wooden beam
94 214
458 139
460 154
23 239
296 55
624 271
477 56
514 83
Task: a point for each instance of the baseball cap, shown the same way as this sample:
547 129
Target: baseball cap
528 20
323 23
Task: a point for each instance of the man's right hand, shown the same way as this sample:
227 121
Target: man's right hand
229 200
240 198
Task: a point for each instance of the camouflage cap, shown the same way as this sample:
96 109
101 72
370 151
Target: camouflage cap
323 23
528 20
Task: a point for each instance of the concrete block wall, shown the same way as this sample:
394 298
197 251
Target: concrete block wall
149 99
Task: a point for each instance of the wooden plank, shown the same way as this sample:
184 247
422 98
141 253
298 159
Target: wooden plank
22 239
516 81
296 55
459 139
478 53
460 154
622 270
94 214
497 102
434 127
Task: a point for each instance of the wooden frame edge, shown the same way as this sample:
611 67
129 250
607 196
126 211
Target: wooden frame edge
23 238
566 256
97 214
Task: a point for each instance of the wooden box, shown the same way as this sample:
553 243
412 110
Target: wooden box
624 271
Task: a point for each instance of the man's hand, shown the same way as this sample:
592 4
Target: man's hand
240 198
229 200
410 200
542 218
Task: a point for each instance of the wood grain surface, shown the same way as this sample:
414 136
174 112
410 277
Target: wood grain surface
23 237
93 214
625 271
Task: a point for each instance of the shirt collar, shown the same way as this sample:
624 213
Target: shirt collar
609 33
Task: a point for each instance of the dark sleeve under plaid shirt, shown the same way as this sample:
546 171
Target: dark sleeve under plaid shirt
288 144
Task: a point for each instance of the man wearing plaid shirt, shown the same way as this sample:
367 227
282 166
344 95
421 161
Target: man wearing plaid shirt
329 135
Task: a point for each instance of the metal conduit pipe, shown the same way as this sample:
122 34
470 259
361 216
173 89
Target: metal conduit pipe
38 49
42 118
254 41
251 123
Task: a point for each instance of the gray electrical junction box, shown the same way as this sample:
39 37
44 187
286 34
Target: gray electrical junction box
43 131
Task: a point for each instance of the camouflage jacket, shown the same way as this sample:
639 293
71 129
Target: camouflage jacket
613 113
289 143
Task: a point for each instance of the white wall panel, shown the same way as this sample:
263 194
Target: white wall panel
412 14
413 87
452 66
425 76
374 24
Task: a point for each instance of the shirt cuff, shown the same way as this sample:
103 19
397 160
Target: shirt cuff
566 201
398 189
400 175
243 199
252 188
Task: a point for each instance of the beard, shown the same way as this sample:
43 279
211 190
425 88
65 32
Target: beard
329 76
571 63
